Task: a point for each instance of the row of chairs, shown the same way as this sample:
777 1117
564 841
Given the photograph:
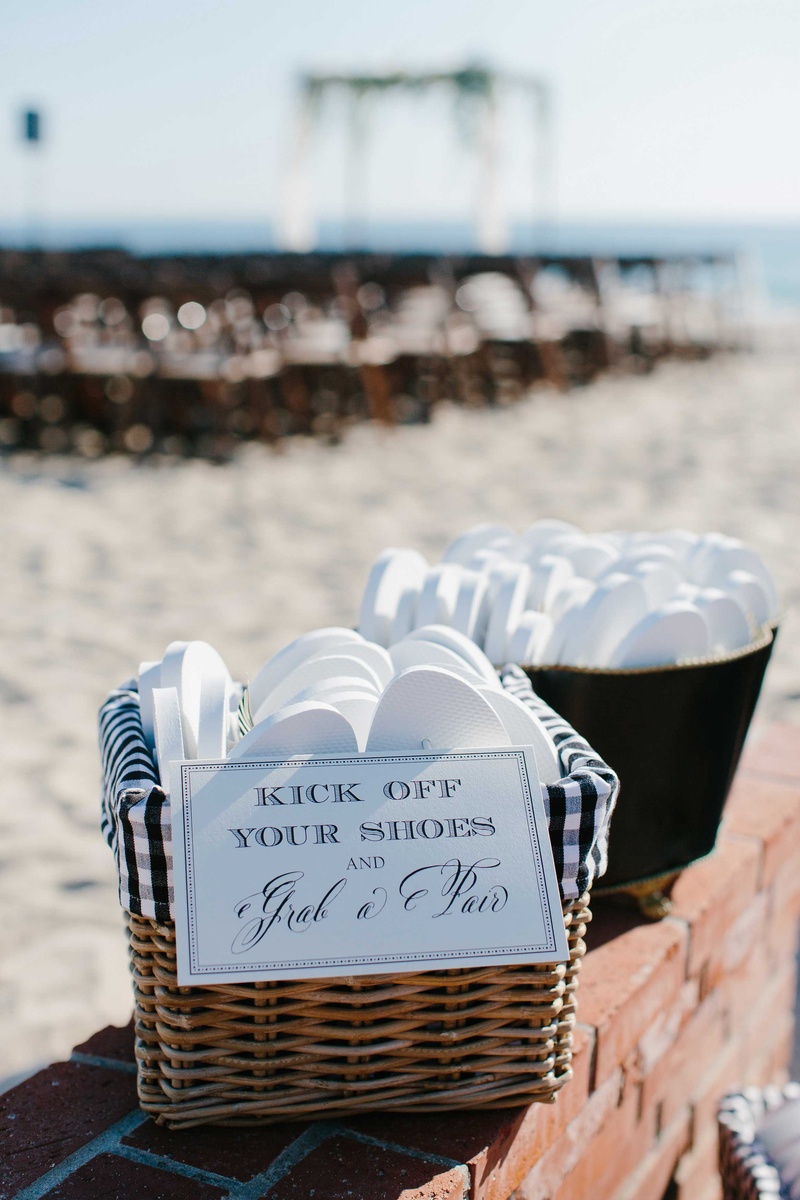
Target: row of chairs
312 344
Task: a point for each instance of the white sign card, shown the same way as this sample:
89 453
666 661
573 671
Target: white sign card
307 868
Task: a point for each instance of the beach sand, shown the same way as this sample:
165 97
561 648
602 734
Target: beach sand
105 563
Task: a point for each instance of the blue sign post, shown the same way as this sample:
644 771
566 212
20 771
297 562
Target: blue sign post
31 136
31 125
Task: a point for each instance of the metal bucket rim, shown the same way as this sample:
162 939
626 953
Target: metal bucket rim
767 635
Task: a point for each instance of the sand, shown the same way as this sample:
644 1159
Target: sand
105 563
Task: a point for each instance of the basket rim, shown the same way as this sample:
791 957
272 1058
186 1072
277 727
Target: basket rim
765 638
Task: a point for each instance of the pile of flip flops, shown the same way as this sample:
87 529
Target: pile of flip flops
555 595
333 693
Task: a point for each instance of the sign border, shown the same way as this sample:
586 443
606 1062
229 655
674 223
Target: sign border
187 769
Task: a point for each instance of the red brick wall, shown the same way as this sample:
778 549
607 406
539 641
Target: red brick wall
671 1015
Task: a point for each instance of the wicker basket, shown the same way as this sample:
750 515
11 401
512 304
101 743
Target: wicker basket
747 1171
252 1053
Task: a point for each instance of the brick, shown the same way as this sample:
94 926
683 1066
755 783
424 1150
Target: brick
712 1191
761 986
739 960
451 1185
745 933
564 1156
697 1173
740 990
608 1161
466 1136
776 752
625 983
783 918
778 1068
665 1030
672 1014
237 1153
115 1042
53 1114
112 1177
766 1044
503 1166
498 1146
724 1075
757 1053
711 894
775 1003
652 1178
344 1169
668 1083
767 811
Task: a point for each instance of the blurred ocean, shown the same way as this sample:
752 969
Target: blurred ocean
771 253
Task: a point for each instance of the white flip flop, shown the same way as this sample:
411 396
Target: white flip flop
524 729
309 645
508 605
672 634
460 644
480 537
473 605
393 573
190 667
168 732
728 626
433 708
314 672
617 604
149 678
439 595
310 728
527 643
417 652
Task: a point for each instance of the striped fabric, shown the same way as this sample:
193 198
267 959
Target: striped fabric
136 817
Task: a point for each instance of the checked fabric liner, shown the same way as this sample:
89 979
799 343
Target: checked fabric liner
136 819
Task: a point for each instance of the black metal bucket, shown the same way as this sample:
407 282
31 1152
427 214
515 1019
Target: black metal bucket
674 736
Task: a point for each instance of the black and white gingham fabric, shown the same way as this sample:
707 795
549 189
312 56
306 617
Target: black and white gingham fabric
578 808
747 1171
136 815
135 810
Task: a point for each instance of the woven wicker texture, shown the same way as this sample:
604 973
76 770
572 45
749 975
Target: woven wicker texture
251 1053
747 1171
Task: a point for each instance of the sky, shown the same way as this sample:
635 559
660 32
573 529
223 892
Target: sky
664 110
